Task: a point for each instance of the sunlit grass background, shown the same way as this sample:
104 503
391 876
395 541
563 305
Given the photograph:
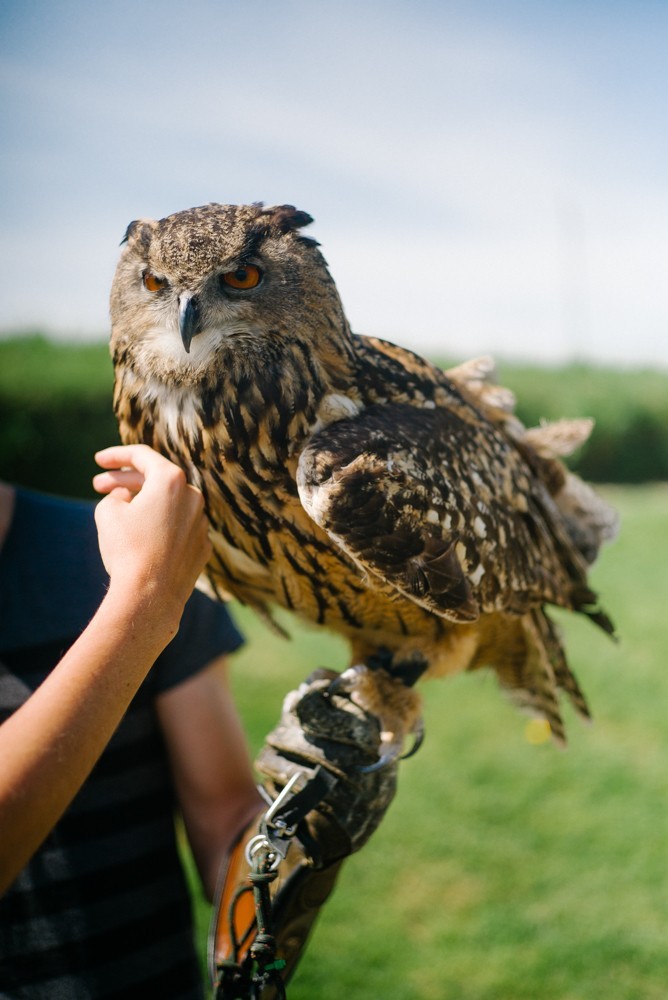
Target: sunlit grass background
507 870
504 869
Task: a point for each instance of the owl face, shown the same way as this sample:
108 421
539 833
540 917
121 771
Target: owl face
214 280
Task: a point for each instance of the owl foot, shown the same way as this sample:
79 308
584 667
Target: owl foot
396 706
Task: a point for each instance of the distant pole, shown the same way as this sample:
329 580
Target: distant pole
573 277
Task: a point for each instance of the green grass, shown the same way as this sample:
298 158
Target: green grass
503 870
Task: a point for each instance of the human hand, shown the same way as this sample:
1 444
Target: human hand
152 530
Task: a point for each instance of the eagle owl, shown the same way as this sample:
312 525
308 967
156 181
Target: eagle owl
345 478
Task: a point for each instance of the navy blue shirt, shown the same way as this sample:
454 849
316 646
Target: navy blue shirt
102 910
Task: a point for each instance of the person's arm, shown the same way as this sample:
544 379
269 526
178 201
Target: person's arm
154 543
211 766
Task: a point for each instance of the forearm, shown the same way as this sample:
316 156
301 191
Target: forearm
211 765
50 745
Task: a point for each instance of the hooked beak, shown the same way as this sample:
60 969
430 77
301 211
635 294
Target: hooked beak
189 319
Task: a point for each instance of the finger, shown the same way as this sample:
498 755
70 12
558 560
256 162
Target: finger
122 494
136 456
159 474
108 503
130 479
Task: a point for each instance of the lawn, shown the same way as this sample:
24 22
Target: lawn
506 870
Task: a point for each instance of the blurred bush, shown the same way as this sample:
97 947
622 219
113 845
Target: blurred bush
629 443
55 412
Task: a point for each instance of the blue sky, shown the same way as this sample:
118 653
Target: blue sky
485 177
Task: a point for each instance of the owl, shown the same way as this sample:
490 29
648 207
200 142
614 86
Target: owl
345 478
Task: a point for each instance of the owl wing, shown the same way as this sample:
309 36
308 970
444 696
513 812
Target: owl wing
441 506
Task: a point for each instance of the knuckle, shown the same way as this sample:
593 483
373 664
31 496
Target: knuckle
175 476
197 499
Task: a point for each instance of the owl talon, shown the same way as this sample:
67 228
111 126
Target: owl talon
345 682
384 761
418 735
394 754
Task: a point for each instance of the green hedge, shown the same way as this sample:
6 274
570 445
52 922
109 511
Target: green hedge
629 443
55 411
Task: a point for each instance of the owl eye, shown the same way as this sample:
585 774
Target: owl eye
152 283
245 276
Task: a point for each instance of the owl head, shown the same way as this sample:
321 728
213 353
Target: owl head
216 281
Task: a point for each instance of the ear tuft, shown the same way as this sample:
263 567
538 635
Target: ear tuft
138 231
288 218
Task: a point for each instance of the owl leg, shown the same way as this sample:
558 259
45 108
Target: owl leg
377 686
408 668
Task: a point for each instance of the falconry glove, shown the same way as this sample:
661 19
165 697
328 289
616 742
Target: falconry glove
328 783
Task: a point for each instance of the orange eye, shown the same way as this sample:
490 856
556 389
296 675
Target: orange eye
152 283
245 276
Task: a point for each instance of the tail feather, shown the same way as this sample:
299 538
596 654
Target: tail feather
538 671
587 603
528 656
565 680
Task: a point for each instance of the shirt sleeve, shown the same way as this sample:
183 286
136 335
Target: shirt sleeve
52 578
207 631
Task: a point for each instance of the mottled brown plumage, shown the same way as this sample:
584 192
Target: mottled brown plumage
346 478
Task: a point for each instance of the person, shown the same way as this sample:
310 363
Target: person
114 709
